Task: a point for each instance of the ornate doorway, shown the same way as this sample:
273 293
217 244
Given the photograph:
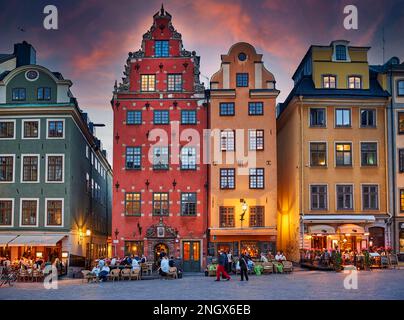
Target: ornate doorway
160 247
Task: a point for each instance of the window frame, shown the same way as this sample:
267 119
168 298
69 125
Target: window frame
361 154
400 155
335 154
134 157
227 215
329 76
326 197
400 132
242 84
188 167
227 104
377 197
161 201
135 112
374 115
251 103
43 93
336 125
18 99
337 52
188 117
343 194
23 121
37 213
162 49
55 120
398 87
38 169
162 111
226 137
14 167
149 77
12 213
354 76
316 125
256 176
47 167
256 139
46 213
400 199
161 166
133 202
174 82
14 129
184 202
326 154
221 176
256 215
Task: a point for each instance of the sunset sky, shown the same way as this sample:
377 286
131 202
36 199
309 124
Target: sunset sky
94 37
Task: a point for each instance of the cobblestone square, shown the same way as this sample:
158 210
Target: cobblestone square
301 285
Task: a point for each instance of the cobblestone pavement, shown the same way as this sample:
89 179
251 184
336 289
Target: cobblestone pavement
376 284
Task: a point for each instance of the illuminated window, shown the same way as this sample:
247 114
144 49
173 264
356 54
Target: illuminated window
401 200
161 48
256 139
256 178
343 154
227 179
369 153
329 82
227 141
400 116
354 82
401 160
132 203
318 154
54 212
148 82
160 204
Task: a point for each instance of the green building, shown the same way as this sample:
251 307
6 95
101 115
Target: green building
55 180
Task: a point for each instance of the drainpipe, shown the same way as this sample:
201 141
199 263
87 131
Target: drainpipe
207 95
301 148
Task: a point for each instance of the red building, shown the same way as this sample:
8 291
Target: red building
160 181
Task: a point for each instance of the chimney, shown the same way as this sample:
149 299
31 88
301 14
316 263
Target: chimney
25 54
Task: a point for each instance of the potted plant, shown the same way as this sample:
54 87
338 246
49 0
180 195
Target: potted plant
337 261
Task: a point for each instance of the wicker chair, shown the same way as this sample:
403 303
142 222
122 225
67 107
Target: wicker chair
172 272
87 275
135 274
37 275
114 274
268 267
125 274
287 266
23 275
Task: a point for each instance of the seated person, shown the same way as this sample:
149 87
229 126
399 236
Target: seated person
164 266
144 259
95 270
171 262
103 275
135 265
280 257
263 258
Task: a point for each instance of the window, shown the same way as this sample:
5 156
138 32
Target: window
343 154
174 82
148 82
318 154
161 48
135 248
242 56
133 203
368 118
370 197
54 168
227 142
318 197
55 129
255 108
242 79
400 116
368 153
160 158
340 53
133 157
161 117
6 212
29 212
256 139
30 170
88 183
188 204
188 158
329 82
226 109
257 178
226 217
401 200
30 129
18 94
134 117
343 117
400 88
188 116
160 203
6 168
344 197
257 216
317 117
54 213
401 160
354 82
44 93
227 179
7 129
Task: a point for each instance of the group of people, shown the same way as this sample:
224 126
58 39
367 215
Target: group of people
244 264
29 264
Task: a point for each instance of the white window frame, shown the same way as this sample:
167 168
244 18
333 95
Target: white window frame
226 132
378 196
350 118
37 212
46 212
353 196
14 131
352 154
22 167
326 154
328 197
360 117
87 152
309 119
22 129
355 76
377 154
47 129
12 212
14 165
63 167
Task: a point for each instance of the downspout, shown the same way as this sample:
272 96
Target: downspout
301 182
207 191
393 160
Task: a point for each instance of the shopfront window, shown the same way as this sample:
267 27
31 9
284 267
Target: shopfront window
319 242
134 248
250 247
402 240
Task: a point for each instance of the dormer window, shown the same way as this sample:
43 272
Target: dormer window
329 82
340 52
354 82
161 48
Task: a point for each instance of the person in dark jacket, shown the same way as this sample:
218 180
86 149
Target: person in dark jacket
221 267
243 267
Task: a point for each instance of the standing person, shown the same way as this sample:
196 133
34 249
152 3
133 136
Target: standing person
243 267
229 261
221 267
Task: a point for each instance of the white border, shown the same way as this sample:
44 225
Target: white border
335 118
326 118
47 129
31 80
22 167
37 213
326 155
12 213
14 131
360 118
377 154
22 129
378 196
14 165
46 212
63 167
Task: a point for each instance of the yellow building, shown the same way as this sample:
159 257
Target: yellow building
243 187
331 137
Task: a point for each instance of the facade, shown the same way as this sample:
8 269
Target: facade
332 157
55 180
242 178
391 76
160 182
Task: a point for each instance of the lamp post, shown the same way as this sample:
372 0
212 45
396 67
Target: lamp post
244 207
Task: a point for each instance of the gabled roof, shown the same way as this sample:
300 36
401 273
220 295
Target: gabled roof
305 87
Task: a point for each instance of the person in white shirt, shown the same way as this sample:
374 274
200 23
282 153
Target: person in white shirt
164 267
263 258
135 264
101 263
280 257
104 273
113 261
95 271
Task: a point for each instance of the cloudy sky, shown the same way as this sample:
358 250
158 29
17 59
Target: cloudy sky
95 36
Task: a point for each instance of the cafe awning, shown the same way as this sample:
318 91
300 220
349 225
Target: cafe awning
6 238
351 228
43 240
321 228
334 218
